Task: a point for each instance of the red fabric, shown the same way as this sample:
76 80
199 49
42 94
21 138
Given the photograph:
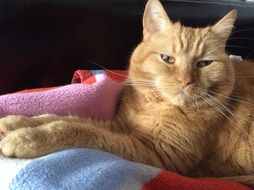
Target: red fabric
87 77
83 76
171 181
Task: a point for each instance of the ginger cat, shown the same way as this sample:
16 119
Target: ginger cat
188 108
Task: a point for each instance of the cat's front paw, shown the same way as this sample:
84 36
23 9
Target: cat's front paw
23 143
12 123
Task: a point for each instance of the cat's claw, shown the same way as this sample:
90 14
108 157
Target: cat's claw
22 143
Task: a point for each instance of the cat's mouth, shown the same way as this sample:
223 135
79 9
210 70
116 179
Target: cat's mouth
188 97
192 97
182 99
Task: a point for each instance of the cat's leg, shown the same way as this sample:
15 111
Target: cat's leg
48 138
14 122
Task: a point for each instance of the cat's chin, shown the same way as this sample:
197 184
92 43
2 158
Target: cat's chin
181 101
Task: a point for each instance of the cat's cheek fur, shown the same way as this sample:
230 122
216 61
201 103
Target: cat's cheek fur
155 67
220 75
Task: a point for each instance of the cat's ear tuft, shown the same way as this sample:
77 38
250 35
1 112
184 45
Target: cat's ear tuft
224 26
155 19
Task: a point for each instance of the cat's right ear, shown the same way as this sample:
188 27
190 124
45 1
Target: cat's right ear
224 26
155 19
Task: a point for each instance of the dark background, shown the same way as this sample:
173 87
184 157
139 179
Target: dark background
42 42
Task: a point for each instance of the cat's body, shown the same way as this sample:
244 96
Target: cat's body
192 113
203 142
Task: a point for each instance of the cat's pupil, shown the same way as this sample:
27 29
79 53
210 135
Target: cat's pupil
167 59
201 64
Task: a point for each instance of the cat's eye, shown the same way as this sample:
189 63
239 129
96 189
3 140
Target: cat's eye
205 63
167 59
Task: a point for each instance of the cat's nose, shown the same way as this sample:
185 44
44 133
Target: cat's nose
185 80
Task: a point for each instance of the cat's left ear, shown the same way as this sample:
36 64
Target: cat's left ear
155 19
223 27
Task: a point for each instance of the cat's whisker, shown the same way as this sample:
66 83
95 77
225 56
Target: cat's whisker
213 99
232 95
240 38
242 47
142 85
243 30
133 81
196 103
244 76
239 97
235 99
137 83
140 81
211 103
239 127
225 107
217 107
125 76
247 57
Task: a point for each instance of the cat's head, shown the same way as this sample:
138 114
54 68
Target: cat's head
182 64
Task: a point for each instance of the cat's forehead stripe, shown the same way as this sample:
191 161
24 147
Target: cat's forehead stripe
188 41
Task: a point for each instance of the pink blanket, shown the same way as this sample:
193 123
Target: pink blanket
91 94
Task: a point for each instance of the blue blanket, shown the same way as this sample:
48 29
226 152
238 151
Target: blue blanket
82 169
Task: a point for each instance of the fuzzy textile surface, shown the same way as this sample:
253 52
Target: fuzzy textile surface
89 90
91 94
